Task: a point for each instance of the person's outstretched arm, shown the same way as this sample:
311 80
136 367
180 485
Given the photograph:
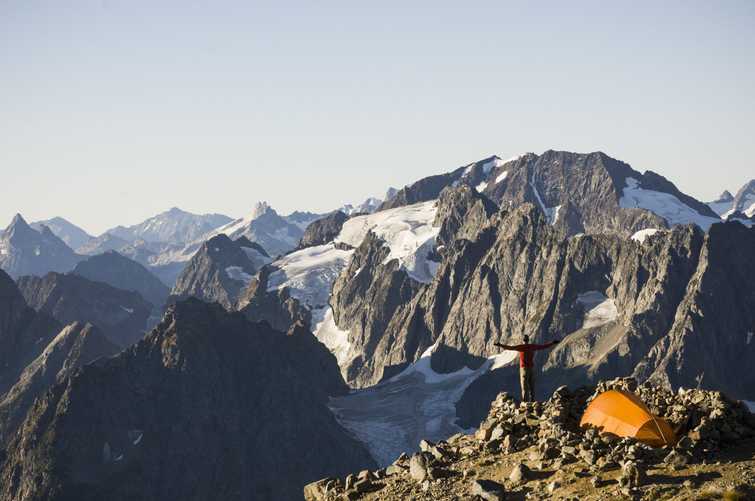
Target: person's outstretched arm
504 346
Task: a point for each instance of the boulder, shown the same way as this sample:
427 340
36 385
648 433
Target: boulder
487 490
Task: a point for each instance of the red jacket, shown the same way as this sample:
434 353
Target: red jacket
527 352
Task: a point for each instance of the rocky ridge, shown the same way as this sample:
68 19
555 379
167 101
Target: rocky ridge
618 303
219 271
123 273
121 315
205 392
538 451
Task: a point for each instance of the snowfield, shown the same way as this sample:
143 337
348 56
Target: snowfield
599 310
392 417
309 273
328 333
670 208
641 235
407 231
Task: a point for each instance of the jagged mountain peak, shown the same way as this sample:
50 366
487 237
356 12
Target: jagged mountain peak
192 388
726 196
18 223
260 209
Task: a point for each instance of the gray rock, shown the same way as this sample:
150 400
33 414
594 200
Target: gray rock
520 474
418 467
487 490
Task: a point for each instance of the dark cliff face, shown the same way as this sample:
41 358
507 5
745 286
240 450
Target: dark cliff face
277 308
77 344
23 332
123 273
712 340
208 406
218 272
120 314
323 230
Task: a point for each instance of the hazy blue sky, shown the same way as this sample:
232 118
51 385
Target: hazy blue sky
112 111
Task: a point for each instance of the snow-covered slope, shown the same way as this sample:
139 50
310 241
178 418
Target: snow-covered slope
309 273
666 205
392 417
408 232
598 309
641 235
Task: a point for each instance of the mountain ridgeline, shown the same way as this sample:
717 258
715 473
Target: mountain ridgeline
201 357
654 309
241 406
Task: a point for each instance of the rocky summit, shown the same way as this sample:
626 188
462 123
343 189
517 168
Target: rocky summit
207 406
538 451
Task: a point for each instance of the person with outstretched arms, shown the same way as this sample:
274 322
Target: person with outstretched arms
526 364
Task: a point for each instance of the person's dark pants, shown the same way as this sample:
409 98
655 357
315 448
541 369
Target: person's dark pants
527 382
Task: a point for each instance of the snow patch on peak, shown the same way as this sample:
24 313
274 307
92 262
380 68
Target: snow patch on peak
666 205
309 273
408 231
501 176
598 309
641 235
551 213
481 187
328 333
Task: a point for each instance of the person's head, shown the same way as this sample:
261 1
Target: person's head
526 338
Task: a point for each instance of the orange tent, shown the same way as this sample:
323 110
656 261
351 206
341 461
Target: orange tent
625 415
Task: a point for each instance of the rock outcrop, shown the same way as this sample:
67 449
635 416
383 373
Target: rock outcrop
121 315
218 272
323 230
207 406
538 451
277 308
